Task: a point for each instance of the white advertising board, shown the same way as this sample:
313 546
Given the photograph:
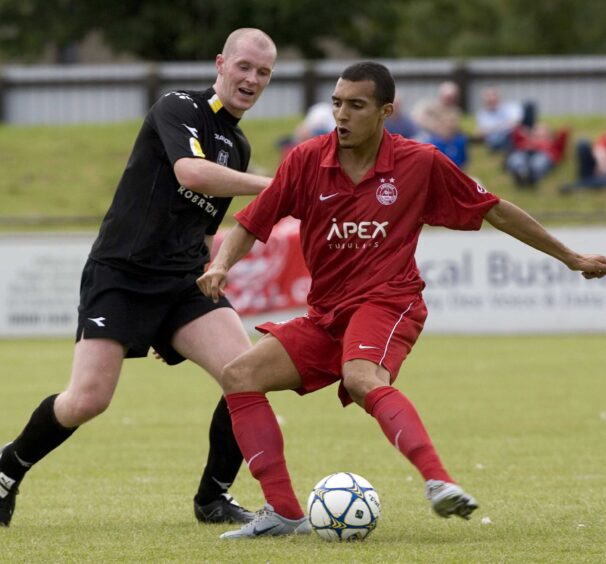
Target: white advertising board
488 282
477 283
40 282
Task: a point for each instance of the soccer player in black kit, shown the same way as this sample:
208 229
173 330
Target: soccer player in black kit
138 286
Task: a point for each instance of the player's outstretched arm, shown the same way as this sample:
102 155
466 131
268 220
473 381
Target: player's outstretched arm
514 221
238 242
213 179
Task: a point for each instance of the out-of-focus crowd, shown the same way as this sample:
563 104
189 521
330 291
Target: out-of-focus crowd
530 148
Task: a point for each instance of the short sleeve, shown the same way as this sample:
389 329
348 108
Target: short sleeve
278 200
455 200
175 117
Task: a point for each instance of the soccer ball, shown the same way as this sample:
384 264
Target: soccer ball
343 506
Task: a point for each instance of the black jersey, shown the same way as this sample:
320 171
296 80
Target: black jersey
154 224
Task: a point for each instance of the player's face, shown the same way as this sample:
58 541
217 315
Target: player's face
359 118
243 74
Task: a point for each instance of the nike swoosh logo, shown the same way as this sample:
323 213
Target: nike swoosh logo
367 347
327 197
259 532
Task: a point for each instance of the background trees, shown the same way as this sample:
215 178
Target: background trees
172 30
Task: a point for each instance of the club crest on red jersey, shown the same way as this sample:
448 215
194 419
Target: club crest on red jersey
387 193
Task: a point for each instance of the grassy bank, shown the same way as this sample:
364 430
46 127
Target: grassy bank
72 171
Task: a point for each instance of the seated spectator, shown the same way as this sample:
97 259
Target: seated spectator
450 140
535 152
591 162
496 120
317 121
399 122
430 114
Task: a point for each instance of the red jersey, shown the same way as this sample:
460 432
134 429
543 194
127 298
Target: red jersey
359 240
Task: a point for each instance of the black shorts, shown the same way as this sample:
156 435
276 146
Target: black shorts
139 311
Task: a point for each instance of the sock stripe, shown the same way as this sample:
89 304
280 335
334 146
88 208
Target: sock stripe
254 456
395 442
21 461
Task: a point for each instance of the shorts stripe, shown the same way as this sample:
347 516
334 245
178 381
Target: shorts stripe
393 331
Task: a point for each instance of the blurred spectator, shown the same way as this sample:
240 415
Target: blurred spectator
429 115
450 140
317 121
591 162
496 120
400 122
535 152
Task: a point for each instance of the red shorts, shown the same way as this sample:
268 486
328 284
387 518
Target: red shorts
381 333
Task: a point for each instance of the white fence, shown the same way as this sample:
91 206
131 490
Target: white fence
99 93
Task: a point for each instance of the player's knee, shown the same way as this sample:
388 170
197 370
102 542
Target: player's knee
84 407
237 376
356 386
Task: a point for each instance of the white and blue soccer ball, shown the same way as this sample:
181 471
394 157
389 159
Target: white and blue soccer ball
343 506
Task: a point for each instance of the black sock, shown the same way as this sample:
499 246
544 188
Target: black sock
224 457
42 434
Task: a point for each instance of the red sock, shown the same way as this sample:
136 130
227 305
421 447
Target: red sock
405 430
260 439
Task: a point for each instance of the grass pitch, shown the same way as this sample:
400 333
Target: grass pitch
519 421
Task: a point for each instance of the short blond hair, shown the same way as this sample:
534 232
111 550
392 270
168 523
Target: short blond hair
260 38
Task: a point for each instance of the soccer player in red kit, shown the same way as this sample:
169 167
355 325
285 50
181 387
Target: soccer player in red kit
363 196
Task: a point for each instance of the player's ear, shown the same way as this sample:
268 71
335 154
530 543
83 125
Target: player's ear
219 62
387 110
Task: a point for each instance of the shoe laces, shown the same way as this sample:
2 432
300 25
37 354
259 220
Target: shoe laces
262 513
433 486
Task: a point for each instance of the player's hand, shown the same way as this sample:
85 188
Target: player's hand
157 355
591 266
212 283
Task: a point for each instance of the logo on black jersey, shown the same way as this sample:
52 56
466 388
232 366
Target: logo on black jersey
192 130
223 158
201 200
182 96
223 139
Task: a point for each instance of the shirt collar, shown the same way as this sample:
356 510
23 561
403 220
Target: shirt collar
384 162
217 107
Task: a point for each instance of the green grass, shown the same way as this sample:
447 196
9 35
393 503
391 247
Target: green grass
520 422
72 171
